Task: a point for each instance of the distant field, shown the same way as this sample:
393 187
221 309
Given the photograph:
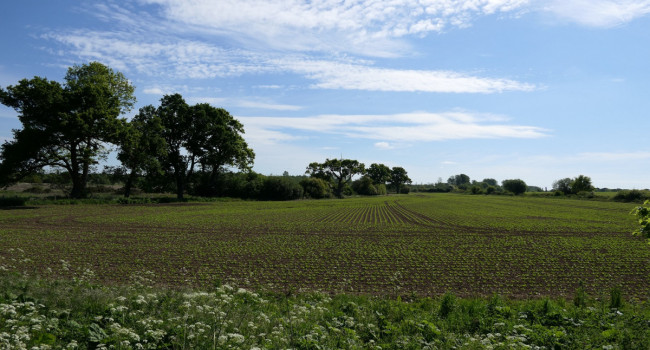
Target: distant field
416 244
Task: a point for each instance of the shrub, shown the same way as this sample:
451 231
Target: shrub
315 188
12 201
631 196
477 190
280 188
364 186
516 186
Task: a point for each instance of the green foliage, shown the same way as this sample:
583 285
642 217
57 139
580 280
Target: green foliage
15 201
516 186
581 184
631 196
339 171
199 135
447 305
399 177
578 185
365 186
458 180
280 188
476 189
616 298
379 173
78 313
563 185
580 296
315 188
65 126
141 146
642 214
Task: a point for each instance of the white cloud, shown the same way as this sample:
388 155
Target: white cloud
245 103
335 75
360 26
384 145
197 60
407 127
598 13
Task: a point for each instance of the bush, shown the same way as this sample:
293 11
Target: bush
516 186
280 188
365 187
477 190
12 201
631 196
315 188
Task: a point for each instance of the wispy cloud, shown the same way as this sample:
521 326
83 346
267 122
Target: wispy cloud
598 13
336 75
360 26
254 104
407 127
198 60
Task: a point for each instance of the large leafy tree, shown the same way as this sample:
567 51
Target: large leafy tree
141 146
399 177
65 125
379 173
338 171
200 136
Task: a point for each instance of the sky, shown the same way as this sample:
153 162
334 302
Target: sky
503 89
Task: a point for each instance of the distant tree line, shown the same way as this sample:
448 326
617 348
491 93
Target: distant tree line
69 128
336 176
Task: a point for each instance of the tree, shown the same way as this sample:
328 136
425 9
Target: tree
399 177
365 186
458 180
200 135
340 171
65 126
491 182
516 186
379 173
563 185
141 146
643 215
581 184
315 188
573 186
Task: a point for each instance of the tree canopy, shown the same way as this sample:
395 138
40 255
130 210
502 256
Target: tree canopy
65 126
340 171
199 137
399 177
516 186
379 173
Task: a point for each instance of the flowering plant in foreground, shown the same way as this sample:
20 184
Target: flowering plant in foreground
39 313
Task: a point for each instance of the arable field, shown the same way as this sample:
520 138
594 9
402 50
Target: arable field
423 245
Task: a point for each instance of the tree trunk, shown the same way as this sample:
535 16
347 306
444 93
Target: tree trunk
129 184
180 183
78 180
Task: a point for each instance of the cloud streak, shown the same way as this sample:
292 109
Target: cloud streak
598 13
406 127
198 60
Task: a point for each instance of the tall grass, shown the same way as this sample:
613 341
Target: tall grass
38 313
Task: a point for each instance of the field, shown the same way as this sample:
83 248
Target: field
412 245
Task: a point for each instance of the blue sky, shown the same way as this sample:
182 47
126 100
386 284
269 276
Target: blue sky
537 90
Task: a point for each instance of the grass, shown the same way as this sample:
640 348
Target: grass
434 271
37 313
425 245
